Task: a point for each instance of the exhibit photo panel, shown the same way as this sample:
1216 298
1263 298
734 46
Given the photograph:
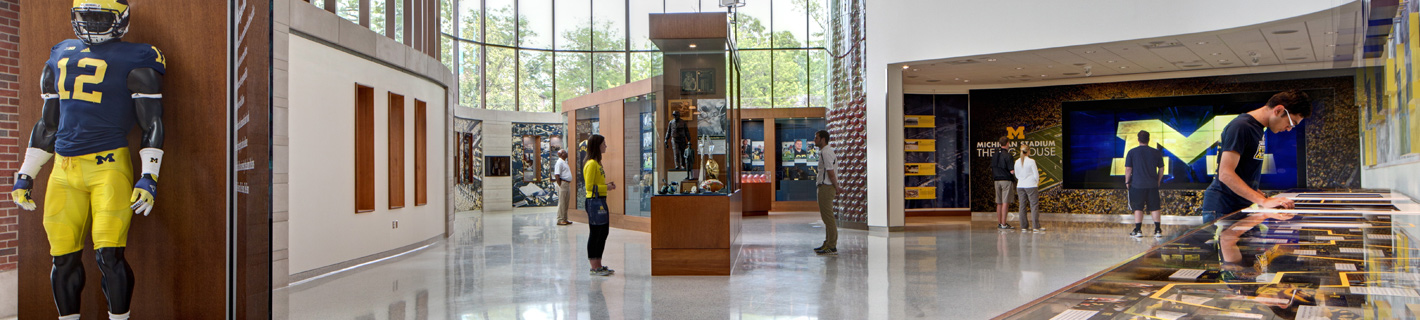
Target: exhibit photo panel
115 91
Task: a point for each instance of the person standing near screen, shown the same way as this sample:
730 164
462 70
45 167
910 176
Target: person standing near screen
1003 172
1143 172
1242 151
562 174
1028 190
827 181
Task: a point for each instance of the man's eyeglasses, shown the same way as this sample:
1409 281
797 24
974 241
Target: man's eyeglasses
1289 118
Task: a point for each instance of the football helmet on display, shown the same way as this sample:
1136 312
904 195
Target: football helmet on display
99 21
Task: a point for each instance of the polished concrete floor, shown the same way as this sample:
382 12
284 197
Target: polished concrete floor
520 265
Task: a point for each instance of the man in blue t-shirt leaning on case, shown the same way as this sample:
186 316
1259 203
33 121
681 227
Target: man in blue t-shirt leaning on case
1241 153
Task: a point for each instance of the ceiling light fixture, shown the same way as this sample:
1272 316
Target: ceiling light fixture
1089 51
1217 53
1222 60
1124 67
914 69
1202 42
1088 72
966 81
1042 75
1110 61
1331 32
991 60
1292 48
692 46
904 67
1019 68
1331 45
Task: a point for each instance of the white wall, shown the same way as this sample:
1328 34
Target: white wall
324 228
1400 178
911 30
498 141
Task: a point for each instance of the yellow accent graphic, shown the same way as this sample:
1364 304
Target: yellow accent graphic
100 67
920 145
919 121
1016 132
921 169
163 60
100 4
85 50
920 193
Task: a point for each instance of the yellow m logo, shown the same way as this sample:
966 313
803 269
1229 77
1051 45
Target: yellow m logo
1188 148
1016 132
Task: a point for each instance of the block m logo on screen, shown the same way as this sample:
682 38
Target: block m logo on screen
1016 132
1187 148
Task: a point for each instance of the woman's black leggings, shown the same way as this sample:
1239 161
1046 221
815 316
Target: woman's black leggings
596 242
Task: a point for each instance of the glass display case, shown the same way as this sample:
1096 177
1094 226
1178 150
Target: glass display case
640 117
696 141
1336 256
797 158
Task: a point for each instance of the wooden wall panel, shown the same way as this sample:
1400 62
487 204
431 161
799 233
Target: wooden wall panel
396 151
179 252
421 150
364 149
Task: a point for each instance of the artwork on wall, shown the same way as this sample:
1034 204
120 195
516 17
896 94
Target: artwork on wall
712 117
697 81
685 107
536 145
497 166
468 165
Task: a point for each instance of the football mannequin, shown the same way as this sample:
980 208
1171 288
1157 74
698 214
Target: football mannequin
95 89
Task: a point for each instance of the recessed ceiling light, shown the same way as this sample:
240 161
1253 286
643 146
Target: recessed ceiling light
991 60
1019 68
1089 51
904 67
914 69
956 78
1284 32
1042 75
1110 61
1222 60
1203 42
966 81
1124 67
1331 32
1217 53
1292 48
1331 45
692 46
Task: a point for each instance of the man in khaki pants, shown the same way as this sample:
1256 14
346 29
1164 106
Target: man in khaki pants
563 176
827 181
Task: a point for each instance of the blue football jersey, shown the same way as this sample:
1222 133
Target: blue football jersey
95 106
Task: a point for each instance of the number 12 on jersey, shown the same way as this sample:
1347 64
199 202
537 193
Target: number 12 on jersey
100 67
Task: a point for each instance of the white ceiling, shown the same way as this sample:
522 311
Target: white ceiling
1323 40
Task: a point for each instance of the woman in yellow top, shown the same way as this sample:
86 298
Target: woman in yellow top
597 215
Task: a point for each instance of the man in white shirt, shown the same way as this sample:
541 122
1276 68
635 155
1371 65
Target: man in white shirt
563 176
827 181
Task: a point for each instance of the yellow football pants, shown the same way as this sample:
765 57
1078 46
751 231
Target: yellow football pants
88 191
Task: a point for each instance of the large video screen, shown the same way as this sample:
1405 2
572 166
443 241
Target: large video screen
1097 135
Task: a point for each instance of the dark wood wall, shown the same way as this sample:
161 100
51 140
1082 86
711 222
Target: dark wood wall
179 253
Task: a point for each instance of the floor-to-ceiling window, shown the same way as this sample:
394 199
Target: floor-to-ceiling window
529 55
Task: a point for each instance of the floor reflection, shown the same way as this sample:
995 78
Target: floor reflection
520 265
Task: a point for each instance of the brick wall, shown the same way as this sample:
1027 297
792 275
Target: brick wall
11 148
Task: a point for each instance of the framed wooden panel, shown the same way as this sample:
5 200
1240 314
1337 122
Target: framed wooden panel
364 149
421 150
396 151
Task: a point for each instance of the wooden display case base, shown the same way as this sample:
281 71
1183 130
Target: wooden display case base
695 235
758 198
